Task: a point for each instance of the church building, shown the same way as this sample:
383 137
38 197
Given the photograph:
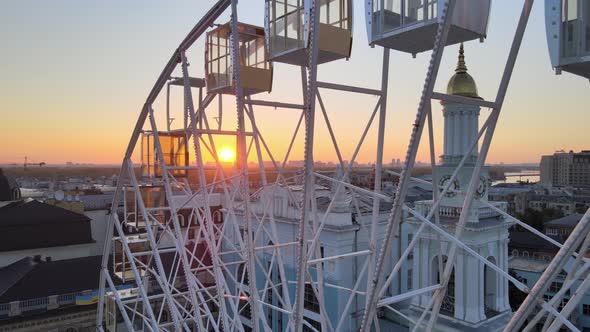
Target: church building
477 297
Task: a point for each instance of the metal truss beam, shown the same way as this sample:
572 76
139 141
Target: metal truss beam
349 88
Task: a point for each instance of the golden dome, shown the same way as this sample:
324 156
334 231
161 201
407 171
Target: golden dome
462 84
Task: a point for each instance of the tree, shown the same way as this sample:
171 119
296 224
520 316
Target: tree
533 218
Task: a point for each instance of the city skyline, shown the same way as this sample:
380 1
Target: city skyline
340 186
97 88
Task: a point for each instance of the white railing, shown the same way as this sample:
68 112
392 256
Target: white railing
42 303
532 256
423 207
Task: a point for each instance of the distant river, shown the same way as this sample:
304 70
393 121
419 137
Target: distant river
514 177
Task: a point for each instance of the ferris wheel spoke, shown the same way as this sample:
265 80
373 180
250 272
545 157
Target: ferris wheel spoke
211 243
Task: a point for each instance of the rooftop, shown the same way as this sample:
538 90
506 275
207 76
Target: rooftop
567 221
528 264
30 278
31 224
530 241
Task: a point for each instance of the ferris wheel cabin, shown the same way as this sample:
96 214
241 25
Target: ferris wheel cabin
174 152
255 70
568 35
410 25
287 25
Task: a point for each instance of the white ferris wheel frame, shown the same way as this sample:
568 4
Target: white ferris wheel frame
194 305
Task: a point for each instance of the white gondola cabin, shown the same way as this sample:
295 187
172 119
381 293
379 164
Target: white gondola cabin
174 151
287 25
568 35
255 70
410 25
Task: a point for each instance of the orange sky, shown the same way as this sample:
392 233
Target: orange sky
67 97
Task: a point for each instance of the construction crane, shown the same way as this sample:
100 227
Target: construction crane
27 163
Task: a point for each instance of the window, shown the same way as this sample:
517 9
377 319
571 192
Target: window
586 309
278 206
410 273
316 325
217 217
555 286
411 253
244 306
310 301
562 304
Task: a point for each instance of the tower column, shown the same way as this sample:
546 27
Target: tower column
460 280
469 133
475 131
481 290
472 285
504 281
446 135
466 131
457 135
418 271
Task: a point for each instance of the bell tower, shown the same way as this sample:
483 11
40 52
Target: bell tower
477 297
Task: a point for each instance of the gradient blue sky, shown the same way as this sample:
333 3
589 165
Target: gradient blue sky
75 74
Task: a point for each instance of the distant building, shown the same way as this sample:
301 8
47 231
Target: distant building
521 198
50 259
528 245
561 228
344 232
530 256
566 169
546 168
296 163
31 228
564 204
9 190
510 193
44 295
528 270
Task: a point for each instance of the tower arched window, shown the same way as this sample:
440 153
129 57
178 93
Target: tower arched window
490 283
448 304
217 217
165 316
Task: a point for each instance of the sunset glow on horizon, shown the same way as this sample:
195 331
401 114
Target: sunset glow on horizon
227 155
81 103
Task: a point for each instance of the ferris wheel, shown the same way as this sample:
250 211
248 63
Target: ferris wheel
257 244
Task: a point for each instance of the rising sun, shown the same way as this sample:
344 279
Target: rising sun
226 155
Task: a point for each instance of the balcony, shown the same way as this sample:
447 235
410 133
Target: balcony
424 207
